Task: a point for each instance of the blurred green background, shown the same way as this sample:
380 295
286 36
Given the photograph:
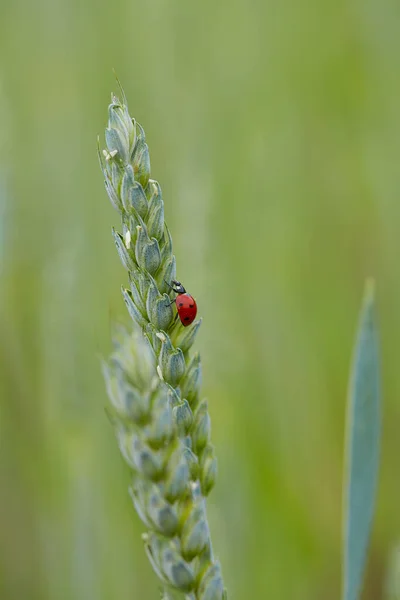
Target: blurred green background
274 131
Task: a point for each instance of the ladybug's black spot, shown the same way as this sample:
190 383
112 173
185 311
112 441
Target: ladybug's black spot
180 303
186 319
191 305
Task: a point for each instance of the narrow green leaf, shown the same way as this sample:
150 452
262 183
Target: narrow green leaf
392 579
362 448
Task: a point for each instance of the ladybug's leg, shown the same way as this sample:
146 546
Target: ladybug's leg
170 303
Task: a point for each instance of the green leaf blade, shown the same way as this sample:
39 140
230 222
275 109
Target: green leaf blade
362 448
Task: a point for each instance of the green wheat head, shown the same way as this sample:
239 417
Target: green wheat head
153 381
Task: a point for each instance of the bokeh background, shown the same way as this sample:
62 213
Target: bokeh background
274 131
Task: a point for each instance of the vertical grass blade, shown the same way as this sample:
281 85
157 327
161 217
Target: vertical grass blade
392 580
362 448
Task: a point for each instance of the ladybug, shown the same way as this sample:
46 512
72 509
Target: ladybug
185 303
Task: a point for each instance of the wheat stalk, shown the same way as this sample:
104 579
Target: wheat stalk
161 423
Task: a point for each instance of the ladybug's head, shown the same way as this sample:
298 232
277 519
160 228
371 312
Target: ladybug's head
178 287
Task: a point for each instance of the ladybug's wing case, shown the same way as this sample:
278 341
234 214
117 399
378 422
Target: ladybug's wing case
187 308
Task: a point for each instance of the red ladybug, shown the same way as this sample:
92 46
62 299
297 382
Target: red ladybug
185 303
